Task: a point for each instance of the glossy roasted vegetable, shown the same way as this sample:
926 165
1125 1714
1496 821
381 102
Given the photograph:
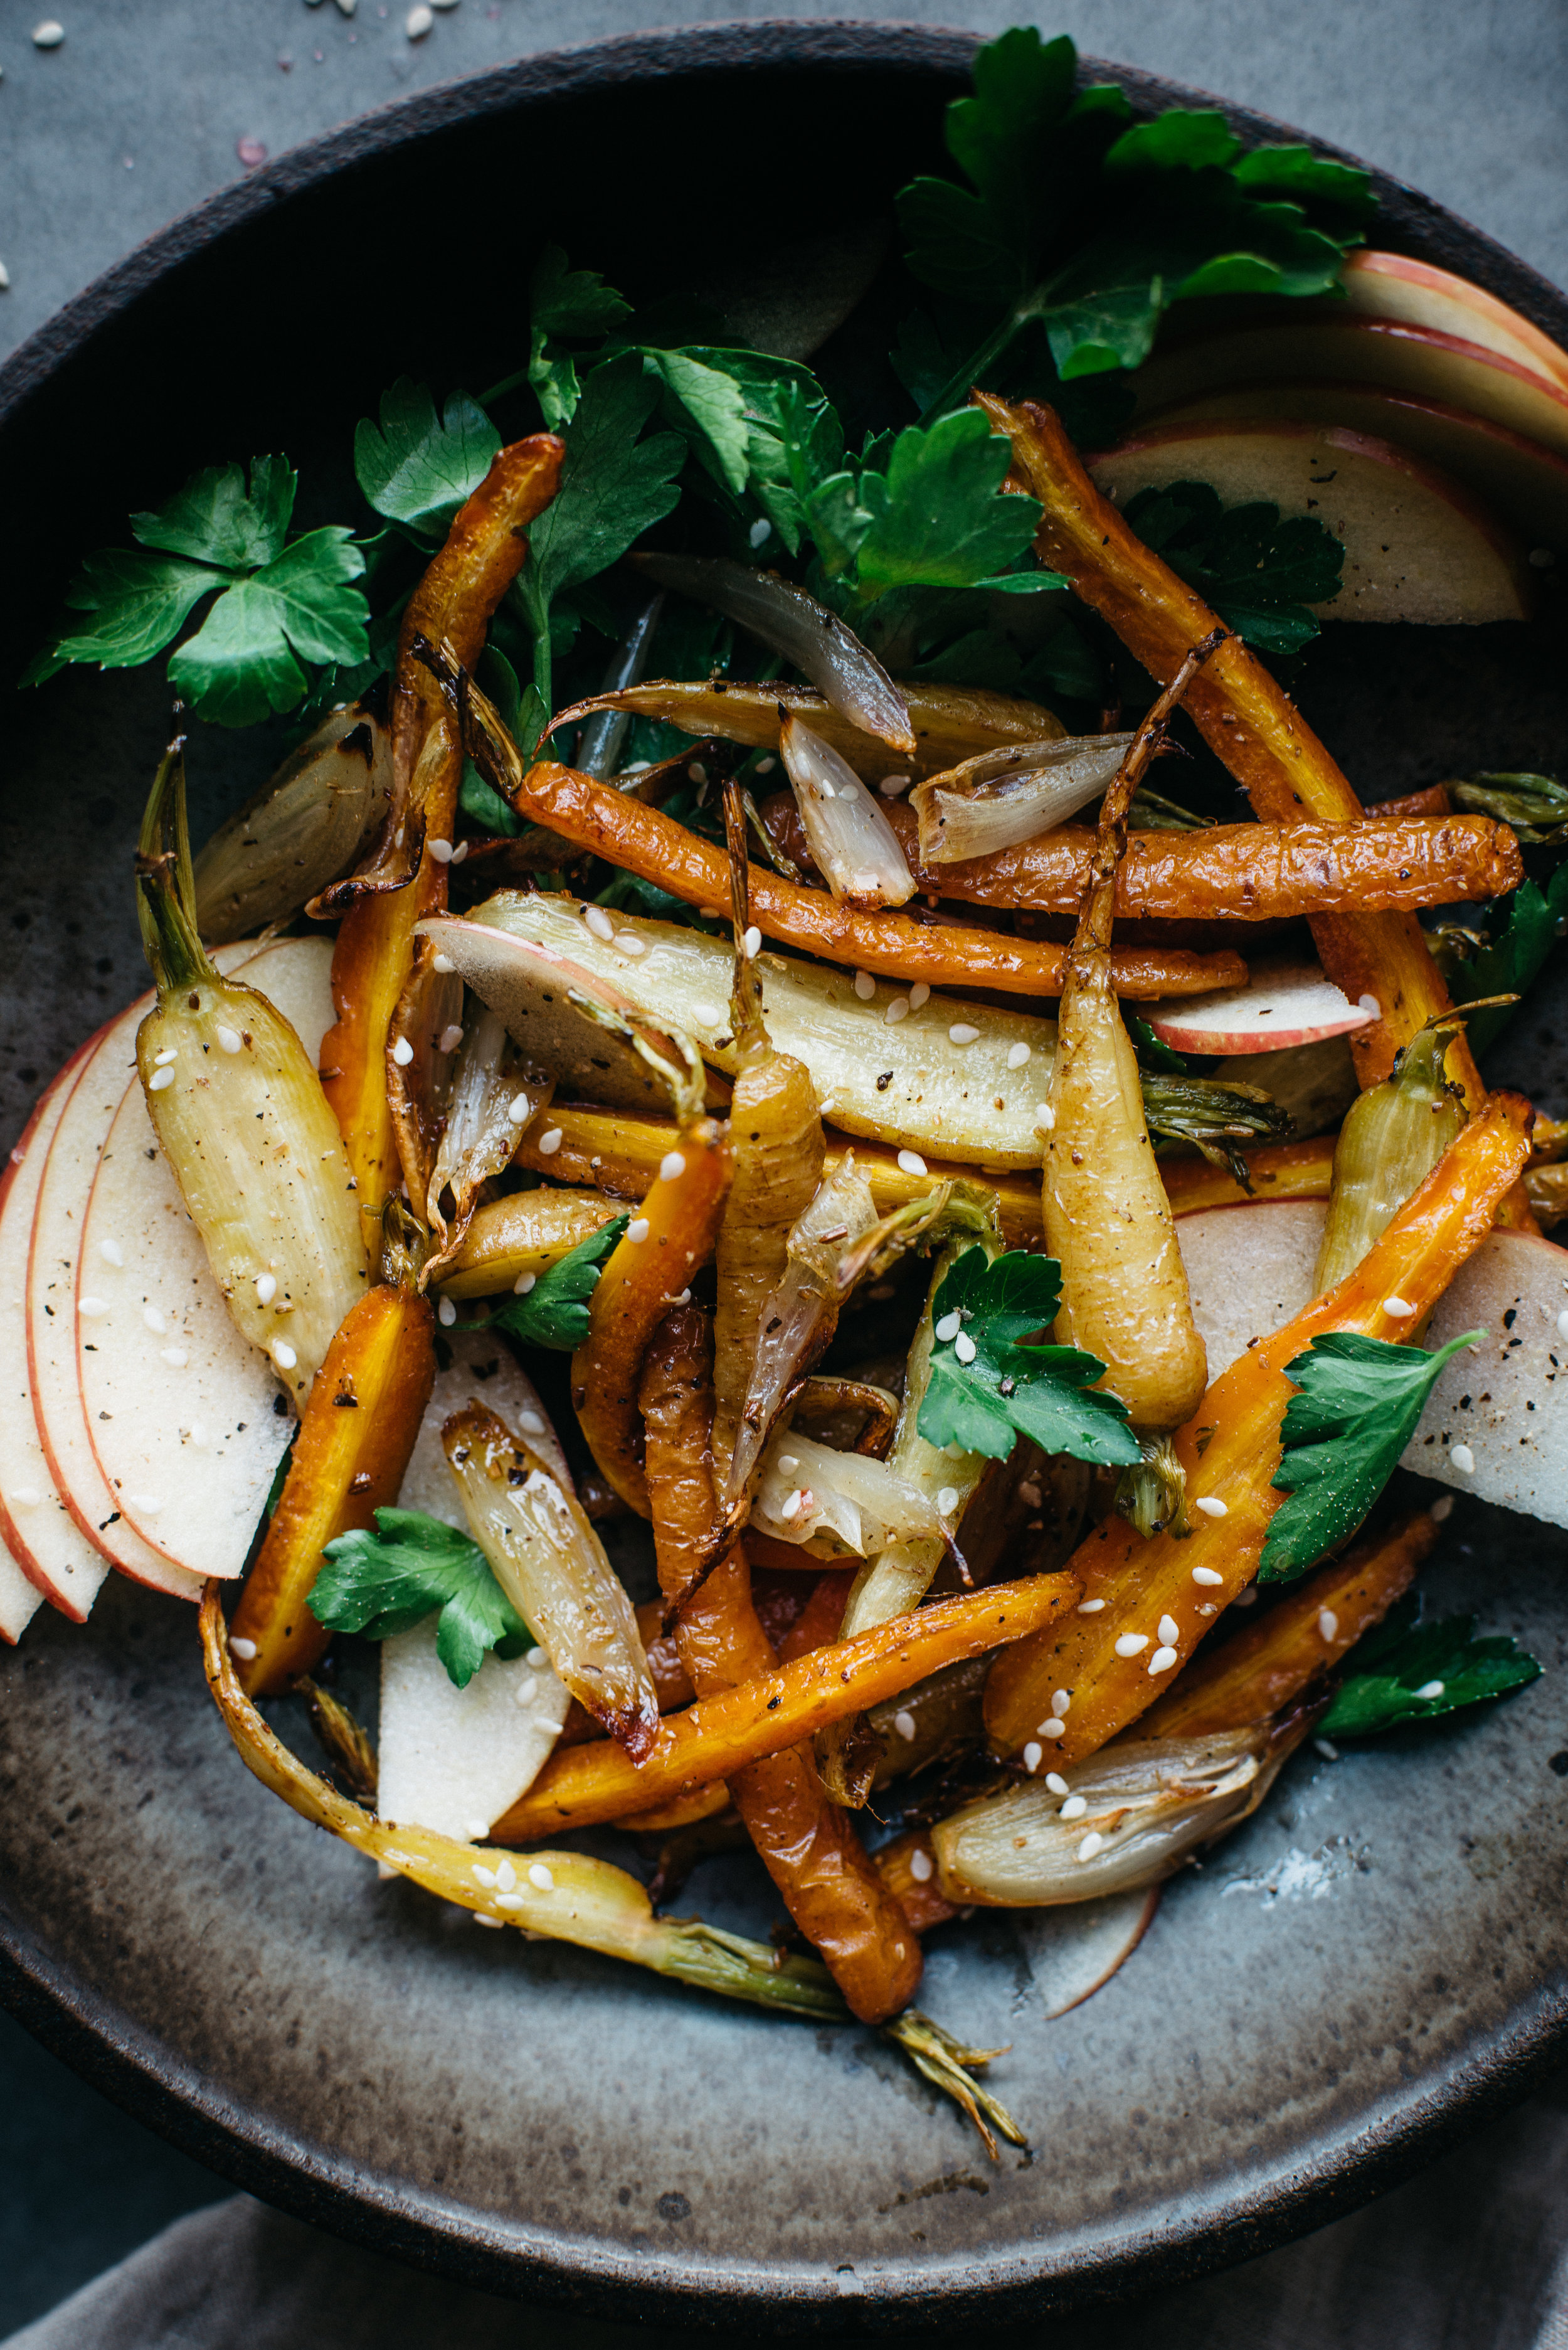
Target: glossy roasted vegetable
240 1116
1006 797
551 1565
510 1242
1394 1135
493 1096
309 822
852 846
354 1445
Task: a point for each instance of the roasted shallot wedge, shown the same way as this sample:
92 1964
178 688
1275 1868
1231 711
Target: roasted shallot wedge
806 1490
564 1896
493 1096
1004 798
950 722
552 1566
310 821
811 639
240 1116
852 846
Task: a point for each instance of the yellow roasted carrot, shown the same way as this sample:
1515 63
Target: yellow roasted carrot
1279 1170
1230 1450
526 1233
719 1735
349 1460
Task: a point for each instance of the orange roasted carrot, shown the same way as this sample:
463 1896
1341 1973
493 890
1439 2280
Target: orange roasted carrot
807 1844
1278 1171
374 953
671 1238
1241 713
1305 1634
1236 872
720 1735
1229 1449
907 1867
353 1446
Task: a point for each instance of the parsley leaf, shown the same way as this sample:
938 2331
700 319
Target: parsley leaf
563 301
555 1312
1259 573
712 401
937 518
1008 1390
1409 1671
1514 955
387 1582
417 467
278 604
1357 1407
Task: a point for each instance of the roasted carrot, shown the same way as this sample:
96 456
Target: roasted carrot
372 959
1230 1450
907 1867
1242 714
1305 1634
720 1735
1280 1170
349 1460
1235 872
808 1846
669 1239
526 1233
951 722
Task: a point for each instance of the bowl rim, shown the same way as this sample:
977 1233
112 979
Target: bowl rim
117 2053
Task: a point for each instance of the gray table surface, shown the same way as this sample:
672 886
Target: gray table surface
139 113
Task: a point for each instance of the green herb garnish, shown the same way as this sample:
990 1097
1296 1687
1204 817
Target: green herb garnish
1007 1389
1409 1671
388 1582
417 467
1259 573
1530 925
555 1312
1359 1401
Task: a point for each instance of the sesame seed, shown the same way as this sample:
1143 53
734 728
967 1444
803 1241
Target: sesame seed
826 1108
25 1497
599 921
451 1038
823 788
539 1660
531 1423
1563 1324
1029 1495
1430 1689
1442 1508
550 1141
1060 1701
48 35
485 1875
898 1010
672 1166
766 765
1054 1728
519 1109
242 1649
511 1901
1017 1055
637 1232
439 850
1044 1118
911 1162
891 785
175 1357
476 1828
523 1283
685 1298
402 1053
148 1503
791 1510
1169 1630
1130 1643
505 1875
713 913
1370 1005
282 1355
231 1040
1208 1577
1327 1623
1247 1598
760 531
92 1307
1092 1842
1211 1506
960 1033
697 771
1074 1808
1162 1660
495 1924
161 1060
948 1327
921 1865
963 1347
418 22
1398 1309
708 1015
1327 1749
159 1080
1033 1756
904 1723
540 1877
1463 1460
788 1465
154 1321
446 1313
1088 1606
947 1500
444 964
752 943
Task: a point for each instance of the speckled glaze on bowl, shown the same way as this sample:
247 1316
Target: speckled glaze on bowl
1372 1964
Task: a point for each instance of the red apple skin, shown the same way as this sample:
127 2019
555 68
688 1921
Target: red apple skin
1274 1012
1392 286
1451 561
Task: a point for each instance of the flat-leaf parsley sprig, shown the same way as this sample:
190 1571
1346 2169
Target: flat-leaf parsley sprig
1409 1671
986 1387
385 1583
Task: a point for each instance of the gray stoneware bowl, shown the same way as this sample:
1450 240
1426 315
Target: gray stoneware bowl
1372 1965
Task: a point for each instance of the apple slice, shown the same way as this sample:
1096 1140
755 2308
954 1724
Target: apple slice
479 1363
1522 482
1417 360
1414 294
186 1420
1286 1004
1074 1948
455 1759
1417 546
1249 1269
47 1547
1314 1085
1497 1407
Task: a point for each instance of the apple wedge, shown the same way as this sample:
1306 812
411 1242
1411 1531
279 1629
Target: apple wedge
1287 1003
186 1421
1314 1085
1249 1269
1393 286
1418 545
1417 360
47 1548
1524 483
